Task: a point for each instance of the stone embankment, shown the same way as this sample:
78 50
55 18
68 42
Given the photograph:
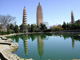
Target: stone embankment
7 47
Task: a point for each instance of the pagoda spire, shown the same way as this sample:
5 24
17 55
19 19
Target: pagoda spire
39 3
24 7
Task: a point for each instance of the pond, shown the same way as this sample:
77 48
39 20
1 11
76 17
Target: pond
48 46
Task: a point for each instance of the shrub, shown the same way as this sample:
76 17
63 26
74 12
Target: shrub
57 28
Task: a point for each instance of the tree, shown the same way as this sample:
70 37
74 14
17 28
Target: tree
32 28
29 27
77 22
12 26
16 29
5 20
8 30
23 28
43 27
64 25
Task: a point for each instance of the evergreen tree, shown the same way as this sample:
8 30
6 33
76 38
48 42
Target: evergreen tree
16 29
64 25
43 27
11 26
32 28
23 28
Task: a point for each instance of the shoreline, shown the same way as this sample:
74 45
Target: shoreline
53 32
7 47
12 34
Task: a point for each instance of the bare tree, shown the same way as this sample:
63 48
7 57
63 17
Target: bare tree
6 20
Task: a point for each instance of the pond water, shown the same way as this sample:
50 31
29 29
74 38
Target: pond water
48 46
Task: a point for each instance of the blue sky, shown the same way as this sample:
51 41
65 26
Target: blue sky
54 11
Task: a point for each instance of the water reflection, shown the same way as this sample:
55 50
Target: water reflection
73 42
25 46
17 38
41 38
25 42
40 43
65 36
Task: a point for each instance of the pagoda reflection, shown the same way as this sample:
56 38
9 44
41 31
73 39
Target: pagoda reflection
73 42
25 42
40 46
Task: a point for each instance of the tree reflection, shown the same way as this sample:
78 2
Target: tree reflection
74 37
16 38
40 46
33 37
12 37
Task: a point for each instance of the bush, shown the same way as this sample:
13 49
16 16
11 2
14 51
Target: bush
3 33
57 28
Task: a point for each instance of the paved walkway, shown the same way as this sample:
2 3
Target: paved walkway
4 47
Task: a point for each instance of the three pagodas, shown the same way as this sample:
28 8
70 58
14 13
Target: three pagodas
39 15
